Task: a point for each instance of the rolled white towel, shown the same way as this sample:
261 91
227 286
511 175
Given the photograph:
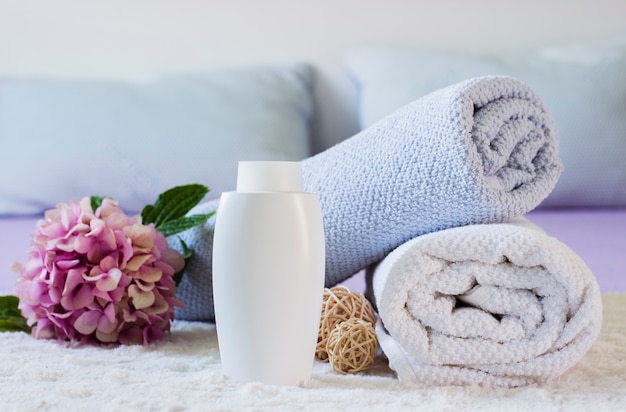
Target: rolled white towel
480 151
494 304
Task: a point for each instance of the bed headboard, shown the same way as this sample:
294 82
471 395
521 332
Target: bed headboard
139 38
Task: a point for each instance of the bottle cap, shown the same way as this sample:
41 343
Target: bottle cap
269 176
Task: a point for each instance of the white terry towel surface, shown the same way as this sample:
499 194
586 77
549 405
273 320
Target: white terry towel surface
536 311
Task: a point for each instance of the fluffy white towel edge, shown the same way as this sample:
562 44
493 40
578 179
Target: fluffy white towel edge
409 356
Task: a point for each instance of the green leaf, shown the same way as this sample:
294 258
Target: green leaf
181 224
9 306
11 318
17 325
187 251
147 214
173 204
178 276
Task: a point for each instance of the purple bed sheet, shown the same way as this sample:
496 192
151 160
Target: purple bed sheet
598 236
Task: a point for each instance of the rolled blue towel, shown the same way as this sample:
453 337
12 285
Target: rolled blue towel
480 151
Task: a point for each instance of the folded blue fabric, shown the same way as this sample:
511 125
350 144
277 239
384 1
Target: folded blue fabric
480 151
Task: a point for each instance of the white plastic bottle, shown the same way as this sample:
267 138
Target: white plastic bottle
268 275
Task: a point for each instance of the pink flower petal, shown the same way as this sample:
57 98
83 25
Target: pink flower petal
136 262
67 217
139 298
35 291
87 323
151 334
85 206
74 278
117 221
108 239
80 299
118 294
149 274
174 259
142 236
160 305
55 295
98 252
61 244
83 244
96 227
108 207
110 280
107 323
66 264
109 337
43 330
53 230
103 297
131 336
129 317
93 278
145 286
125 248
107 263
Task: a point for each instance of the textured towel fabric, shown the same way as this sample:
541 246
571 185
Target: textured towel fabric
196 286
539 313
479 151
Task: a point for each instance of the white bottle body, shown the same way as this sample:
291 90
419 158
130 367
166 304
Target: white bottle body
268 281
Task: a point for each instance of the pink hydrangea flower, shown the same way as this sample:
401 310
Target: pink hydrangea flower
98 276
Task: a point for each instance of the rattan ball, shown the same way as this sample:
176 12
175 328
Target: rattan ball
339 305
352 346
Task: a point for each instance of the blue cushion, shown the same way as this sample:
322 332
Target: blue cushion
66 139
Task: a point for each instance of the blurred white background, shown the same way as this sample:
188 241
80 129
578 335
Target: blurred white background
135 38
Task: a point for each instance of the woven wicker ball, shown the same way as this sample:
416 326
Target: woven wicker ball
339 305
352 346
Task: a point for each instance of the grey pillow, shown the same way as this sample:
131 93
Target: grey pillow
583 87
66 139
